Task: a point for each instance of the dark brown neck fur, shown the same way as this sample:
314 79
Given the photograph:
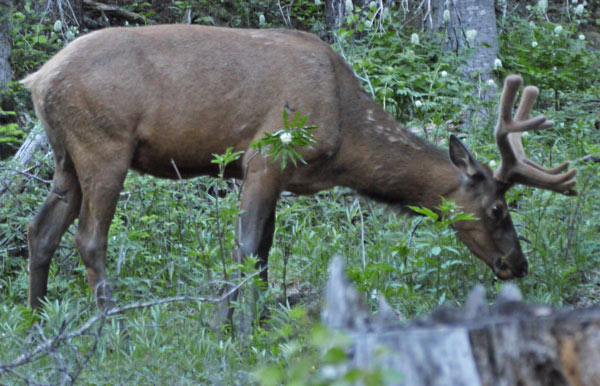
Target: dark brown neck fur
382 160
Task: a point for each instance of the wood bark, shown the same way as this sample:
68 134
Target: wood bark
509 343
465 16
5 41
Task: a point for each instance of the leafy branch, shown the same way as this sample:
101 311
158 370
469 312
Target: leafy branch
284 143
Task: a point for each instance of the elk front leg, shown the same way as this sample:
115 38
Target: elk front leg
263 233
256 226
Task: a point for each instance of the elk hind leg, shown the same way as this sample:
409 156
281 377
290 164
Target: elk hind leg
100 198
47 228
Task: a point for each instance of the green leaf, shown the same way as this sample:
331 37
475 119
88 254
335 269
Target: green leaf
334 355
464 217
285 119
270 376
424 211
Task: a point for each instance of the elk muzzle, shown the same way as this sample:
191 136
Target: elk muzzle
511 266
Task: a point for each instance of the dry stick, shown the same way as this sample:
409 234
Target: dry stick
362 234
412 233
49 344
123 250
286 19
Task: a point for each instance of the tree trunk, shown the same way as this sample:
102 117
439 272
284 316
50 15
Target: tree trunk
5 70
464 16
510 343
334 13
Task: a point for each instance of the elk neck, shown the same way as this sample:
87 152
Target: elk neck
382 160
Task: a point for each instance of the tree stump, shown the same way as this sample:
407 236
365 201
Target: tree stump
508 343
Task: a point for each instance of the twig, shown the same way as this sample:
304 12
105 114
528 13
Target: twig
286 18
13 249
362 235
27 175
412 233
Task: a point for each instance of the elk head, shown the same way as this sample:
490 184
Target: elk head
492 236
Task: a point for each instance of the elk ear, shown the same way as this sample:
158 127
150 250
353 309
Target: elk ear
462 158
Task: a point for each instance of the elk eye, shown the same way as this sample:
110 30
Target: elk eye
497 211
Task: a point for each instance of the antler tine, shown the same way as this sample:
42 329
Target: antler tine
515 167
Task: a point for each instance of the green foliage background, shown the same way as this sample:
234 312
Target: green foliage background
173 238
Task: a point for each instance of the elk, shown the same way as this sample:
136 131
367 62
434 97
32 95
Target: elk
143 98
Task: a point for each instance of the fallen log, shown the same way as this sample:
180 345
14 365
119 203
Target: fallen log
508 343
114 11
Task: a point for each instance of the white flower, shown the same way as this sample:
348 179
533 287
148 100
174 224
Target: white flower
58 26
471 35
386 14
558 29
491 83
414 38
418 104
444 74
349 6
493 164
582 37
261 19
374 294
317 2
497 64
579 10
534 44
542 6
285 138
446 16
